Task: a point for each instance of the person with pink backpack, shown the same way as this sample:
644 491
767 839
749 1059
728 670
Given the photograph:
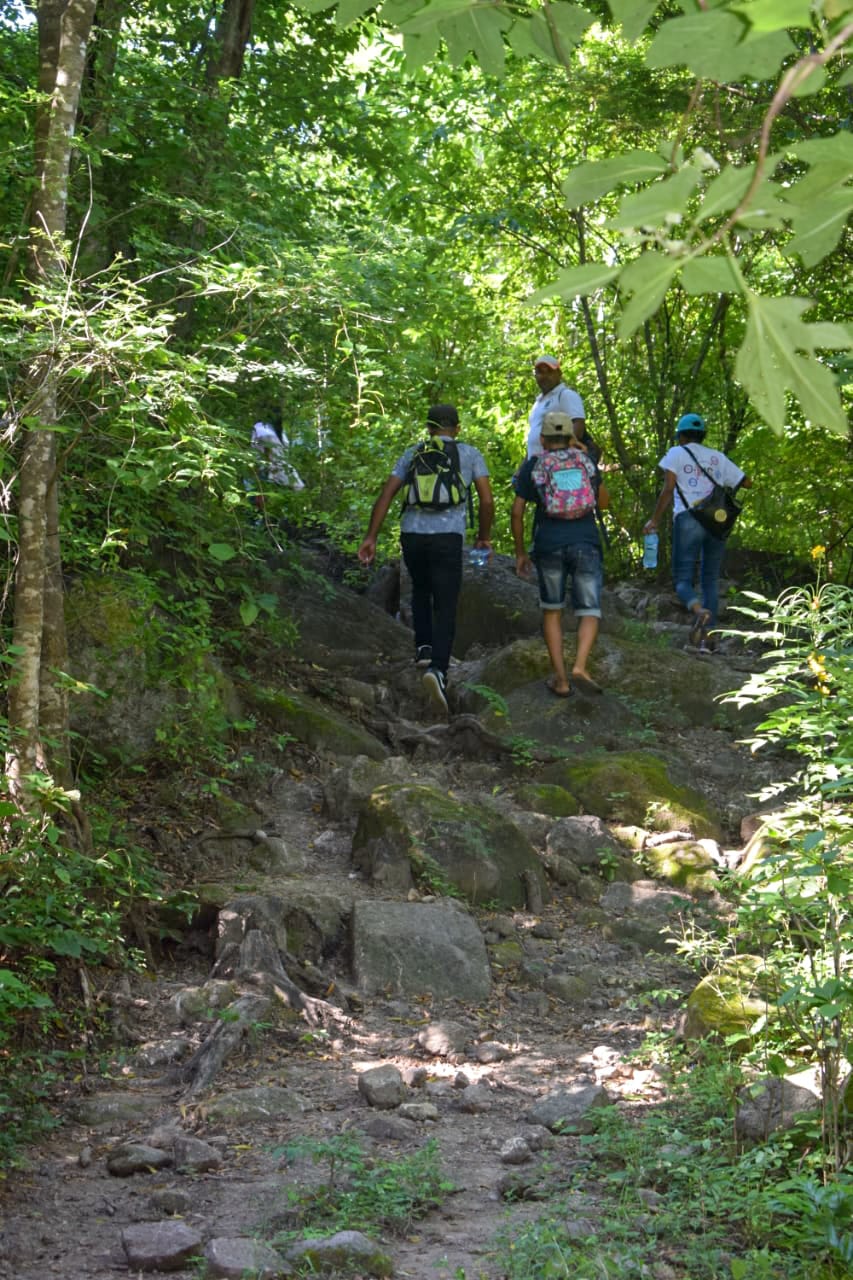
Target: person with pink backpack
562 484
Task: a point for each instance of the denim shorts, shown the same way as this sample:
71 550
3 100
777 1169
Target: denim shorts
580 564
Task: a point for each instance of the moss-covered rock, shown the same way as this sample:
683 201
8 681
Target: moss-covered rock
319 727
729 1001
689 865
516 664
545 797
411 833
507 954
158 689
634 787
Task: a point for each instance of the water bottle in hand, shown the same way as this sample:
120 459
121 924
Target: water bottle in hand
478 557
650 551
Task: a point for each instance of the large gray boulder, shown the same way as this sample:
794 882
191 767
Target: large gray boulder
772 1103
410 834
419 948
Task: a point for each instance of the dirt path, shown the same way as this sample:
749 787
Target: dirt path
65 1215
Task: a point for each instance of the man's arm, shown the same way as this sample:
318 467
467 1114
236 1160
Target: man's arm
664 499
367 550
516 521
486 511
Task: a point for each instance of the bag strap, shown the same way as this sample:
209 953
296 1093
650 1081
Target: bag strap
689 505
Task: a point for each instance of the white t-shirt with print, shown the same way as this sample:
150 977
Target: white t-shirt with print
692 482
560 399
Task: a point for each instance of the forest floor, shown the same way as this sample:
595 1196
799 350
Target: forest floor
64 1213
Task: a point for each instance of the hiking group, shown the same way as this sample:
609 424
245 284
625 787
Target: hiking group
561 480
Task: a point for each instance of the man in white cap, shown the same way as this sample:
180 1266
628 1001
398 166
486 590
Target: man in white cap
554 396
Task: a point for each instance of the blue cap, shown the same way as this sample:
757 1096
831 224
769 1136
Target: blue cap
690 422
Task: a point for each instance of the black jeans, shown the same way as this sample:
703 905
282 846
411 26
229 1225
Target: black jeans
434 562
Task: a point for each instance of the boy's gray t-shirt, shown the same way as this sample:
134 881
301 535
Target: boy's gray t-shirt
472 464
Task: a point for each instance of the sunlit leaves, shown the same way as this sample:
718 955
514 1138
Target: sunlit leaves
711 275
595 178
644 282
633 15
776 15
715 46
221 551
662 203
777 359
576 282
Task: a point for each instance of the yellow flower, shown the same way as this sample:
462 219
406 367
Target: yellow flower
818 552
816 661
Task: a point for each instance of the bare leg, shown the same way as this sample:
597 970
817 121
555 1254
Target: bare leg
552 630
587 631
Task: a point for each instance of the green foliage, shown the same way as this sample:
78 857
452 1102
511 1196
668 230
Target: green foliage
795 907
59 907
366 1194
721 1212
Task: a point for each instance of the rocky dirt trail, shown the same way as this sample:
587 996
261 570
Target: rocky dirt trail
149 1172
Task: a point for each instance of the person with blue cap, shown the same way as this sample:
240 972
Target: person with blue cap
690 470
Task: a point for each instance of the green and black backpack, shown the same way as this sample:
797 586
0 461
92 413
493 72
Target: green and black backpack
434 477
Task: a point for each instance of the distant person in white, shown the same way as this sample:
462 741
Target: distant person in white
270 444
554 395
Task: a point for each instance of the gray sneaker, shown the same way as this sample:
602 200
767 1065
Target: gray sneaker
436 686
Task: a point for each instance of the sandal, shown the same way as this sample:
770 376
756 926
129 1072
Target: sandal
585 684
558 693
697 631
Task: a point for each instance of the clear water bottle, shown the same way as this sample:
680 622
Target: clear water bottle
478 557
650 551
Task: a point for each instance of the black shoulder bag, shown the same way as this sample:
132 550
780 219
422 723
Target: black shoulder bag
718 511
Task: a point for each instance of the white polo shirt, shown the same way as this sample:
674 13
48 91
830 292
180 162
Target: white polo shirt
560 398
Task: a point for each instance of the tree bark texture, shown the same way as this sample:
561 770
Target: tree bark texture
233 28
64 27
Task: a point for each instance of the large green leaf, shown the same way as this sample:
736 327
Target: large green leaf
818 227
351 10
480 32
838 148
221 551
398 12
531 38
575 282
661 203
710 275
420 50
645 282
569 21
776 15
712 45
430 15
726 191
777 358
595 178
633 16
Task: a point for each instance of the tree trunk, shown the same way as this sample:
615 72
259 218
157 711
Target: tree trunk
64 27
233 28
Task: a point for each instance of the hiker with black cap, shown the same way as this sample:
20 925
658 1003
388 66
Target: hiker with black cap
555 397
437 475
691 470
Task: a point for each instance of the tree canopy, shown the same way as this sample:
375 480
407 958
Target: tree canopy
348 211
